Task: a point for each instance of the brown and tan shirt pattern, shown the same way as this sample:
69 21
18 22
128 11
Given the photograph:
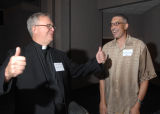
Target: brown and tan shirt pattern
129 66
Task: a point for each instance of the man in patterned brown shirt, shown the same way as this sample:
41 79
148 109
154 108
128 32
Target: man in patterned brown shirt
130 68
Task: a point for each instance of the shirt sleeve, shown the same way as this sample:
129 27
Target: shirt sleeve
146 68
5 87
83 70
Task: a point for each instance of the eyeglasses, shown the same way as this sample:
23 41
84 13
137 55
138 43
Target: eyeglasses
116 23
49 26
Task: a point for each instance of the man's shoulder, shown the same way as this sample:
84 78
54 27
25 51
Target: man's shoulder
57 51
137 41
27 48
110 43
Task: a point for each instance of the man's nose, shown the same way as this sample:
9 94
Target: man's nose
52 29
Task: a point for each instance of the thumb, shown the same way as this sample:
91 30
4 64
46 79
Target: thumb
100 49
18 51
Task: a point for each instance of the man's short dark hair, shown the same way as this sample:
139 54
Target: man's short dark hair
121 15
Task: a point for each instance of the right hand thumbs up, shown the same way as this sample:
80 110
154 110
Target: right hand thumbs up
18 51
16 65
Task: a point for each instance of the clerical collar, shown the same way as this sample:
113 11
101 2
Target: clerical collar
40 46
44 47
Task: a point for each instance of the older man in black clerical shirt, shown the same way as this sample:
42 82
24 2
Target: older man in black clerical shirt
39 75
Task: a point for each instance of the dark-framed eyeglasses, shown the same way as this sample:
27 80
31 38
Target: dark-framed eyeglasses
116 23
49 26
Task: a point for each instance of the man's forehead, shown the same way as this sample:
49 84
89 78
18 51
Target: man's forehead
117 18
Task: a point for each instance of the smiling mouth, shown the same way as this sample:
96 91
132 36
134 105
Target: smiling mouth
114 31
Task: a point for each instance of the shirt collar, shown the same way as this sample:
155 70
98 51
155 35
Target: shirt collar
44 47
40 46
127 43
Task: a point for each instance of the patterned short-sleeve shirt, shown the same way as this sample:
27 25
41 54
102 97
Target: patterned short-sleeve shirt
127 67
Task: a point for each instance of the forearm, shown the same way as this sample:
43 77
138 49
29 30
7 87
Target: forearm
102 91
7 77
102 105
143 90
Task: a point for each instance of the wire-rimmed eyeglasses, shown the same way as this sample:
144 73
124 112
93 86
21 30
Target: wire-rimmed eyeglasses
116 23
49 26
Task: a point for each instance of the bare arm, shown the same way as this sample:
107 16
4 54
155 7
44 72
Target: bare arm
142 92
103 105
146 72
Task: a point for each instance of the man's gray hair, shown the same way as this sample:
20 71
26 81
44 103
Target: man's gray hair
33 19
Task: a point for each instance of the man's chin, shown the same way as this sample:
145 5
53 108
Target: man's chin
115 36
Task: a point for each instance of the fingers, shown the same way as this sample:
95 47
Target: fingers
15 59
17 65
18 51
16 70
18 61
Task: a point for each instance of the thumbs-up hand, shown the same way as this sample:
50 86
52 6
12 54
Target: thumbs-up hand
100 56
16 65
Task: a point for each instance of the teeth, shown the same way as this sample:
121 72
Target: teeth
114 31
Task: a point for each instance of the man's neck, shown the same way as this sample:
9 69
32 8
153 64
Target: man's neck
121 41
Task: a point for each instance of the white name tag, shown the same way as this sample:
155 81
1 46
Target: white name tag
58 67
127 52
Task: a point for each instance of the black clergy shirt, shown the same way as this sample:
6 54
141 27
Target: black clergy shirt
43 87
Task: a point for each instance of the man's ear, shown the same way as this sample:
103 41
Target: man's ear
33 28
126 26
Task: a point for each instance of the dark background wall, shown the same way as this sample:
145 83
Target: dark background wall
13 31
81 27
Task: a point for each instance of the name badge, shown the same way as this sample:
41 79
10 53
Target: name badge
127 52
58 67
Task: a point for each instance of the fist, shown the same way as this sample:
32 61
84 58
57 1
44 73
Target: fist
16 65
100 56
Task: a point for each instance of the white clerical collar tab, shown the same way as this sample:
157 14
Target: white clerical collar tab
44 47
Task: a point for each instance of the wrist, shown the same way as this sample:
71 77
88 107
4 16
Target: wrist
102 102
7 76
139 101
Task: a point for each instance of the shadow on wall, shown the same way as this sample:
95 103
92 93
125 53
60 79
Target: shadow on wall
151 104
154 54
